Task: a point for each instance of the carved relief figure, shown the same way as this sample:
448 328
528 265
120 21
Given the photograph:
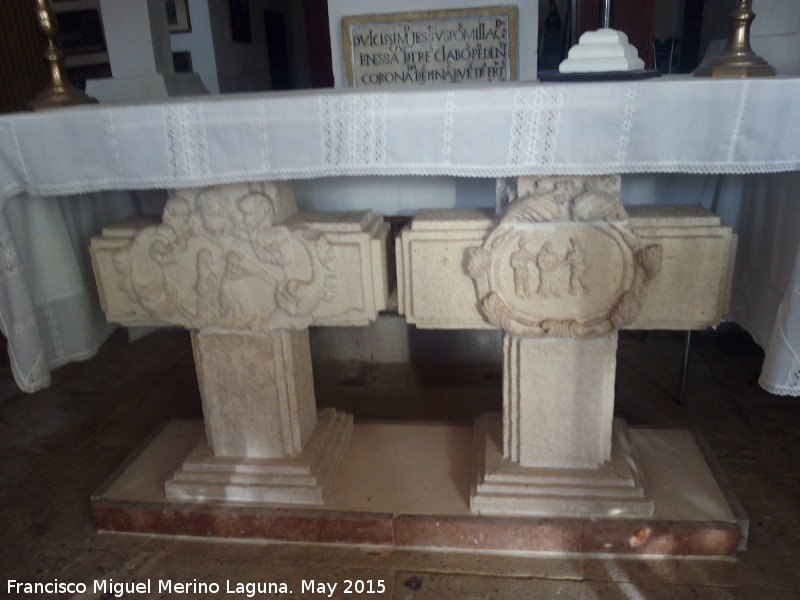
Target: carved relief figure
550 276
229 305
521 261
557 273
207 285
576 257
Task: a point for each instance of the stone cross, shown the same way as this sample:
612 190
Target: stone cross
248 274
562 271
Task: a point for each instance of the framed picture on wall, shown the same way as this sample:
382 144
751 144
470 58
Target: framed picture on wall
178 16
240 20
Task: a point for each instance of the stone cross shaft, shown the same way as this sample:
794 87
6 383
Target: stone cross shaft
560 273
248 274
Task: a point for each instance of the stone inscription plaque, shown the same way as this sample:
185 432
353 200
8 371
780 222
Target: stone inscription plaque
443 46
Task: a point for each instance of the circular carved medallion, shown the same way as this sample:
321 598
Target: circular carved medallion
561 278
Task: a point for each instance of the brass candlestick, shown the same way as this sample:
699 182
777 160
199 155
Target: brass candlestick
738 58
60 92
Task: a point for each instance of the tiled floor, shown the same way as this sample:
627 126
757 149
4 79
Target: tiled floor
57 447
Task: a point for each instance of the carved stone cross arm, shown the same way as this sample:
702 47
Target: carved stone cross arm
242 258
248 274
467 269
562 270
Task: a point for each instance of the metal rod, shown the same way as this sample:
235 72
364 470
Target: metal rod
606 17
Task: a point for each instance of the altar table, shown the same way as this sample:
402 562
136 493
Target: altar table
740 134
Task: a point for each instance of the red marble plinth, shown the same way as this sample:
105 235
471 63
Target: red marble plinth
493 534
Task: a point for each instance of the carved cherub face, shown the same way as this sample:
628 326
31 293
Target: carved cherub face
159 249
204 257
176 215
233 260
256 210
213 212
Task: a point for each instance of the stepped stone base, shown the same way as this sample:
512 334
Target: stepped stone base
302 479
500 486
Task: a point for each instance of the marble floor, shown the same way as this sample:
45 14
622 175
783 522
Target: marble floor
59 445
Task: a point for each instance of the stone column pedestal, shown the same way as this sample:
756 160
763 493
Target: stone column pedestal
265 441
553 451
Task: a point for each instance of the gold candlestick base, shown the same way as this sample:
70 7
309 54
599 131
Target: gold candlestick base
733 68
738 59
60 92
58 98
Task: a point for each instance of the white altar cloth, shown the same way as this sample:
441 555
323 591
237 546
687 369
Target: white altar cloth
667 125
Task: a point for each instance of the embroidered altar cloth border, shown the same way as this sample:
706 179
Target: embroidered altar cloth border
667 125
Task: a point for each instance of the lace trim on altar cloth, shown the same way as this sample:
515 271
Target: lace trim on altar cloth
534 126
186 141
791 388
39 378
627 125
341 170
263 134
447 142
36 379
353 130
112 135
9 258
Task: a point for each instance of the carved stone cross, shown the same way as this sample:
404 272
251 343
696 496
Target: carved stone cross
562 271
247 273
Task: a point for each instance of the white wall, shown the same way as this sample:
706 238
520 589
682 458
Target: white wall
137 38
776 17
200 44
528 26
